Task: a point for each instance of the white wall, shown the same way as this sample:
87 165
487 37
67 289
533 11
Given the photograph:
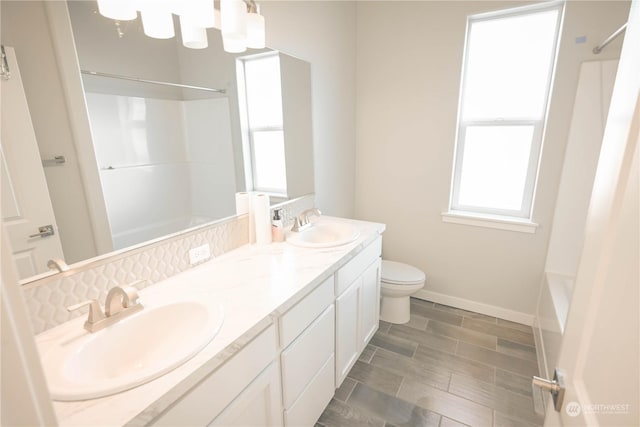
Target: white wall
323 33
409 57
94 35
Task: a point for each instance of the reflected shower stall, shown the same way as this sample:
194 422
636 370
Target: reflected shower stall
160 153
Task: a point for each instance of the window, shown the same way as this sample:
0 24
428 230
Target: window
506 82
260 101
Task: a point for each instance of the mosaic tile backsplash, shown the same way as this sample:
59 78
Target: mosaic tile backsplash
47 299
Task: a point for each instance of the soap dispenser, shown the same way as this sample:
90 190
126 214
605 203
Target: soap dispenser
277 228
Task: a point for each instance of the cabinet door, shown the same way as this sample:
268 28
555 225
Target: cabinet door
347 330
211 397
370 303
258 405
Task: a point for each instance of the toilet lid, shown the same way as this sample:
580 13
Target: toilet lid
398 273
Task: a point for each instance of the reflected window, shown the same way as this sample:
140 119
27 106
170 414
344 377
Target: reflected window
506 83
260 99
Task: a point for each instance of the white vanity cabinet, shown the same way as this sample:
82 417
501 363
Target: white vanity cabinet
245 391
288 374
307 358
357 307
297 319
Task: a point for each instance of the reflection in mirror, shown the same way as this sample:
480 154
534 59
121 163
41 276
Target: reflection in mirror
155 159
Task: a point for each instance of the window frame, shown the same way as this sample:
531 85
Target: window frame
539 125
249 156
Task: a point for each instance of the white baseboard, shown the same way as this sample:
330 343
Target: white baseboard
478 307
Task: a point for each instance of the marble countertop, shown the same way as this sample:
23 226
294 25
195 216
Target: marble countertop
254 284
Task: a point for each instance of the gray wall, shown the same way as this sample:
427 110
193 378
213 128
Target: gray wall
323 33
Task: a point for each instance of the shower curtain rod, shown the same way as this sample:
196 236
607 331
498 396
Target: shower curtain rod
609 39
155 82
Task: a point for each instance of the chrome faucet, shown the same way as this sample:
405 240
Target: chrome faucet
301 222
121 302
119 299
58 264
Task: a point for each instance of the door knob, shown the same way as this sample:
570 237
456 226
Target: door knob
555 387
44 231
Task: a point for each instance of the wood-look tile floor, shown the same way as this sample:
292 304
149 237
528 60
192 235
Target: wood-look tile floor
446 367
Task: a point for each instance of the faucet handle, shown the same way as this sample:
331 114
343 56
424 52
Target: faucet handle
120 298
132 291
313 211
95 312
132 294
296 225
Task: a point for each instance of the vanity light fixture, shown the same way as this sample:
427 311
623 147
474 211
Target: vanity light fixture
120 10
234 25
240 21
157 18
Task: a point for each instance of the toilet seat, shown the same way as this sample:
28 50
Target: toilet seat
399 274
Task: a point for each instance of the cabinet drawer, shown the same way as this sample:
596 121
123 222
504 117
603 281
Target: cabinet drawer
354 268
294 321
308 408
306 356
206 400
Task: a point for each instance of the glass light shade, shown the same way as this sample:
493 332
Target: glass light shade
157 23
121 10
179 7
234 45
255 31
193 36
203 13
217 19
234 19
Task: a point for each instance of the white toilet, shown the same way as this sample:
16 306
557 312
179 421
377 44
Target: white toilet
398 282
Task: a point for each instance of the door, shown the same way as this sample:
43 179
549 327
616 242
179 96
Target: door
26 205
600 348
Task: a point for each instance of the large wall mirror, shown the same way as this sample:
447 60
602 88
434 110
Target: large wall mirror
129 139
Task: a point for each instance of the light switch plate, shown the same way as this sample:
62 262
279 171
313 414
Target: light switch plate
199 254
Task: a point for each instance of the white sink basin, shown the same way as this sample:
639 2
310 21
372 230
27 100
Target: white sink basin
131 352
324 235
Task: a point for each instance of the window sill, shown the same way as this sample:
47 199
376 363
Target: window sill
490 221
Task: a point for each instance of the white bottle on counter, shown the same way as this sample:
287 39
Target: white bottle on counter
277 227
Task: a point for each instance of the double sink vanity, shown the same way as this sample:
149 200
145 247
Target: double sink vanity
261 335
